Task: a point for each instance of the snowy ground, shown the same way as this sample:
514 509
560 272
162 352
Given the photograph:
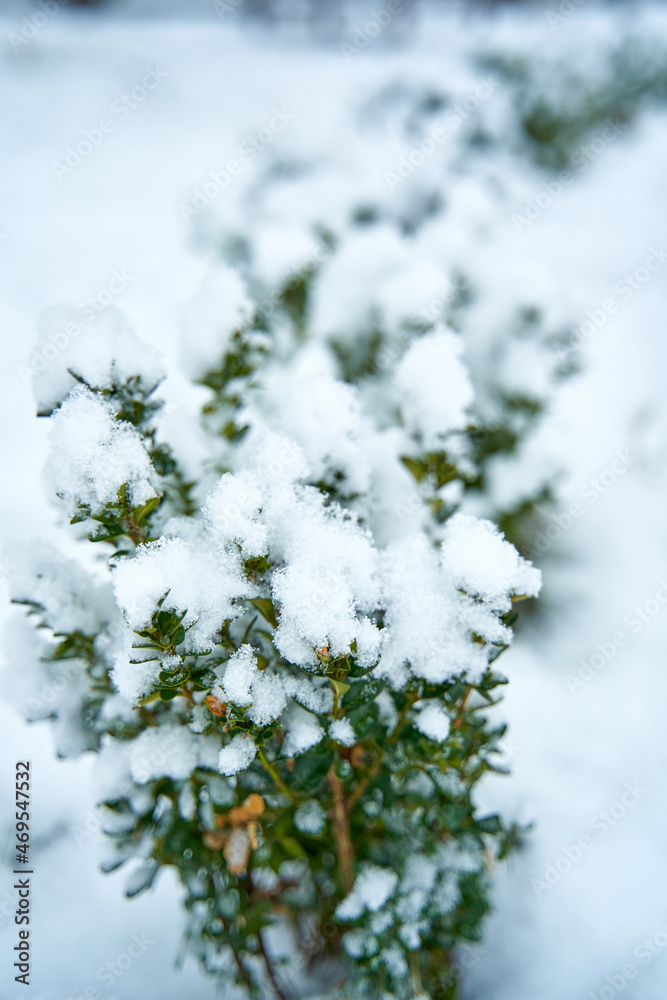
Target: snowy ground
576 918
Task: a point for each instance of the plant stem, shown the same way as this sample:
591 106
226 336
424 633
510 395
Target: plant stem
187 694
270 769
462 707
362 786
415 972
341 831
410 699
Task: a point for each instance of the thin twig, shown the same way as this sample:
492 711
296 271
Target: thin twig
362 786
341 831
270 769
409 702
462 707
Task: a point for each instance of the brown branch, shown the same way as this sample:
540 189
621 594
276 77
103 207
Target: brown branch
462 707
341 831
362 786
410 699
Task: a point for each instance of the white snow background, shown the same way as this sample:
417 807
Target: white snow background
573 753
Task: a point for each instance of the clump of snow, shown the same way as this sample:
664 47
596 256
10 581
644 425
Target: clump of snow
101 349
240 673
321 414
302 731
196 580
284 251
166 751
433 386
432 720
372 888
219 308
187 803
245 685
268 698
133 680
237 755
232 510
276 458
71 599
484 565
373 281
310 818
342 731
330 573
92 455
326 576
314 693
427 622
387 713
360 943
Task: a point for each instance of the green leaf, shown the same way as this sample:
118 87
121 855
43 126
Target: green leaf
340 687
140 514
147 699
362 693
292 847
174 680
265 607
417 467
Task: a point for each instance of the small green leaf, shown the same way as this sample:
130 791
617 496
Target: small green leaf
141 513
340 687
418 468
174 680
168 693
292 847
265 607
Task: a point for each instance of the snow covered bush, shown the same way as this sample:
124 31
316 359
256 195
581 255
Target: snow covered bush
284 660
566 85
362 246
282 644
364 236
